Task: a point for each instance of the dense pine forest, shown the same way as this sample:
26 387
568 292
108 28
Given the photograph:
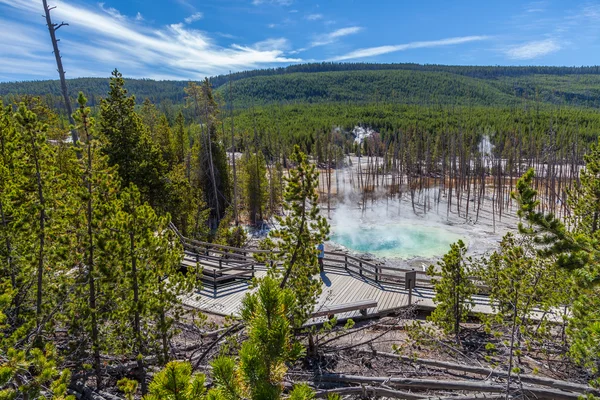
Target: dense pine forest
364 83
96 236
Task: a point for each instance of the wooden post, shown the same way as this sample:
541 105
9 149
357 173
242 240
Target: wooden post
360 268
215 283
410 282
197 266
346 262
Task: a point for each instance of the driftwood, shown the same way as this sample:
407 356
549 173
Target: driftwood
232 329
435 384
525 378
366 391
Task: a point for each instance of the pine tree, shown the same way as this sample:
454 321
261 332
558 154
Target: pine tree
180 139
163 137
299 234
36 201
212 168
128 143
97 189
149 281
254 186
263 358
519 282
453 289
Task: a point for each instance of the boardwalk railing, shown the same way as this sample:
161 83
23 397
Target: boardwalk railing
228 263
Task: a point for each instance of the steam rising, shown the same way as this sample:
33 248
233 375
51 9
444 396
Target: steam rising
390 229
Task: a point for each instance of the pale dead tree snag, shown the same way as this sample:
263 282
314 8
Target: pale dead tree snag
235 206
52 28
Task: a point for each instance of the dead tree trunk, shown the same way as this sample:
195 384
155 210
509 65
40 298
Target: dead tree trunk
52 28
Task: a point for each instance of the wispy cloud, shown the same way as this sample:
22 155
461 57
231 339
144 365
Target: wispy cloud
314 17
276 2
536 7
113 12
533 49
139 17
194 17
331 37
97 39
376 51
271 44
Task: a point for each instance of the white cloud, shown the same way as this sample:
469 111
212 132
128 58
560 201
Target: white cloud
98 42
113 12
193 17
139 17
335 35
376 51
275 2
314 17
272 44
534 49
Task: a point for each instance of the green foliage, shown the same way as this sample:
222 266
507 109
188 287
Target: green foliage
176 382
327 82
128 387
128 143
255 187
576 249
298 234
210 166
259 373
32 374
453 289
263 357
234 236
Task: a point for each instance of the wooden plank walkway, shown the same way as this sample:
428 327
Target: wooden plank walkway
339 287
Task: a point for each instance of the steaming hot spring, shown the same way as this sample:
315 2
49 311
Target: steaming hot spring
385 237
398 240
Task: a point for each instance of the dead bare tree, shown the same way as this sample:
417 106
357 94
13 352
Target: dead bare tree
52 28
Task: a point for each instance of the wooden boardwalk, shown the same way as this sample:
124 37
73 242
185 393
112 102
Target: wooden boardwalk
226 273
339 287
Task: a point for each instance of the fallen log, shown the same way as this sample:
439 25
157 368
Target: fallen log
232 329
366 391
432 384
526 378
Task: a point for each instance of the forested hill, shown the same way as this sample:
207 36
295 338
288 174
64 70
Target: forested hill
360 83
96 88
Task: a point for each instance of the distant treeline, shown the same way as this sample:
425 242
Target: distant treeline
356 83
482 72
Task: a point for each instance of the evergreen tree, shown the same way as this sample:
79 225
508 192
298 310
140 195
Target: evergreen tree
270 345
255 188
180 139
520 283
298 236
128 143
453 289
576 250
37 214
99 187
163 137
212 168
149 281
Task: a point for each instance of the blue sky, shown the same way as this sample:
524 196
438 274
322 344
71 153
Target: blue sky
190 39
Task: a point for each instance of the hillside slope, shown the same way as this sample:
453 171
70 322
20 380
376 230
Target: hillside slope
359 83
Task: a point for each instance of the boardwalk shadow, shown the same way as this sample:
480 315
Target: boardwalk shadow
325 279
224 291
